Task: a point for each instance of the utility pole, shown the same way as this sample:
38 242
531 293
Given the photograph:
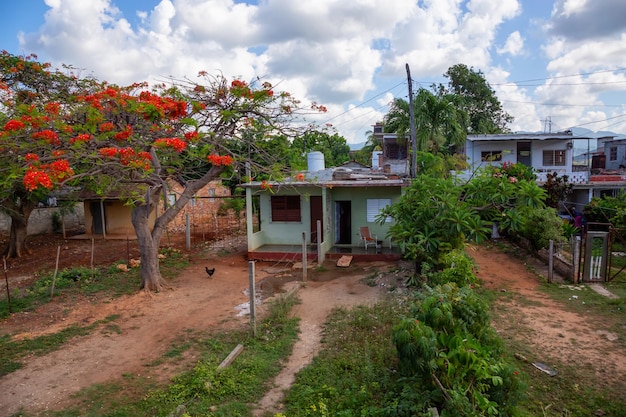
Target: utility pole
412 125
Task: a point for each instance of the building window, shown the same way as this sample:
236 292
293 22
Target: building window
286 208
375 206
171 200
613 153
394 150
491 156
554 158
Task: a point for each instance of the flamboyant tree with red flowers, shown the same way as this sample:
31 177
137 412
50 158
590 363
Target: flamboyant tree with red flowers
58 130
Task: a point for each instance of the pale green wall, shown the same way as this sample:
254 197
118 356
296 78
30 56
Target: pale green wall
359 197
290 233
283 233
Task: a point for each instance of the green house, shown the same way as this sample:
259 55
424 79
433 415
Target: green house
322 212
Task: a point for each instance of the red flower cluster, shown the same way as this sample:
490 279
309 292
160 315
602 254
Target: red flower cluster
192 136
35 179
265 185
165 106
106 127
177 144
108 152
14 125
240 88
85 137
128 157
45 175
124 134
31 157
49 136
218 160
53 108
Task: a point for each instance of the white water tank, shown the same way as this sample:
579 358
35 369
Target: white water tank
376 159
315 161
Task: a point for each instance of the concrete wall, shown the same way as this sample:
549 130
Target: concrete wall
40 221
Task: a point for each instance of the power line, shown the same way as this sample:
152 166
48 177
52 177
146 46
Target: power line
365 102
560 76
561 104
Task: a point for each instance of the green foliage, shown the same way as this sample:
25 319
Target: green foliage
430 219
500 196
558 189
448 345
607 209
334 147
439 121
478 100
456 267
542 226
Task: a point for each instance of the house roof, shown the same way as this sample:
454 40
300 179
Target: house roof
338 177
525 136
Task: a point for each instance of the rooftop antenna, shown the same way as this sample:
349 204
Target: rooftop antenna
547 125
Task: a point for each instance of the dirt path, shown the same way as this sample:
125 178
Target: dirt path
347 292
544 325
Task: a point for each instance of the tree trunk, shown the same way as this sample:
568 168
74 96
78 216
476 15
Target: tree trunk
151 279
149 242
17 240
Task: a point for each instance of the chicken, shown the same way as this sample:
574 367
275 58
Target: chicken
209 271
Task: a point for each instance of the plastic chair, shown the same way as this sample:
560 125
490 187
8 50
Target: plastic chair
368 238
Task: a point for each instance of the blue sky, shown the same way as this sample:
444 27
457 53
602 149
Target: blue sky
553 64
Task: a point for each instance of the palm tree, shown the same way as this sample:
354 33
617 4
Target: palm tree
372 143
440 123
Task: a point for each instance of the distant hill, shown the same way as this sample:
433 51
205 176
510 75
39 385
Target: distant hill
356 146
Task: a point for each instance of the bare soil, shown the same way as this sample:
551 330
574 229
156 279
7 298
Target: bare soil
148 324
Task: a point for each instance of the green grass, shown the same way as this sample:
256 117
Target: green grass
356 367
81 280
13 351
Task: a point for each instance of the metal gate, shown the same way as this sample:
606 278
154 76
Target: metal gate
599 262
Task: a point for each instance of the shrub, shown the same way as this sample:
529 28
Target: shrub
448 347
542 226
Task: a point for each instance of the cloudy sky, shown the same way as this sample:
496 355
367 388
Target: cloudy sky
553 64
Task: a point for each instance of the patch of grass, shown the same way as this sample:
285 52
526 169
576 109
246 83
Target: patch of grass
70 282
356 367
12 351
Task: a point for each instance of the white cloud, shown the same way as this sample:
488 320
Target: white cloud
514 44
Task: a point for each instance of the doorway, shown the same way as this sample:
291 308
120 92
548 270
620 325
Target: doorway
97 217
343 222
523 153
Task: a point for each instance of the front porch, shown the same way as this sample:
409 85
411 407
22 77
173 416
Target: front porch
293 253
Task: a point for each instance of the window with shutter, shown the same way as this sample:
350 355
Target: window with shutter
375 206
286 208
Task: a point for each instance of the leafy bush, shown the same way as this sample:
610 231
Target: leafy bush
607 210
542 226
449 350
503 198
456 267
